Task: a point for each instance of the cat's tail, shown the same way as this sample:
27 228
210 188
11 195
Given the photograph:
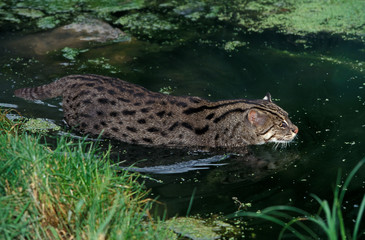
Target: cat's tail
51 90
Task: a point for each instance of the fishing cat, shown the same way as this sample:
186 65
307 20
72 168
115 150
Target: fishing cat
130 113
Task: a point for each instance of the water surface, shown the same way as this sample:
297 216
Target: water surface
322 88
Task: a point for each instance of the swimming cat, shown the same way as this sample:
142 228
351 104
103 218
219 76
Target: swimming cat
130 113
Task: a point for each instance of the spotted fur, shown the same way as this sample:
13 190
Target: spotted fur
133 114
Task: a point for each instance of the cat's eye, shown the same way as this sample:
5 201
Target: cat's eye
283 125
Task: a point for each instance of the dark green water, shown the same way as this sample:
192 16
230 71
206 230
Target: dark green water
322 88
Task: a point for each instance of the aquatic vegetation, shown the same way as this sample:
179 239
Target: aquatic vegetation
40 125
306 17
104 64
156 18
332 223
51 13
233 45
166 90
48 22
146 23
209 229
72 53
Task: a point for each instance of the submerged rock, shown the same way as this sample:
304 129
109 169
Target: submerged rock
76 35
94 30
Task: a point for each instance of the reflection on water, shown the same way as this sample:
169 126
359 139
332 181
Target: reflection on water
322 88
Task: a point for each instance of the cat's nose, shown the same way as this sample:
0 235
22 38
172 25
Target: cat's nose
295 130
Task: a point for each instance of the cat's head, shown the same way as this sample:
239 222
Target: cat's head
271 123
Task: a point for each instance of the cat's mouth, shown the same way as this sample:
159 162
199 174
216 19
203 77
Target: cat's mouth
283 140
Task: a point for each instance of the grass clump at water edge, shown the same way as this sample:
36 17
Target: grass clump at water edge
329 219
68 193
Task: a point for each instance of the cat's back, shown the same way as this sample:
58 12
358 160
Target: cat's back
123 110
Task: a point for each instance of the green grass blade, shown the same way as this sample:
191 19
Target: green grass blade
191 202
22 212
298 221
358 218
349 178
272 219
286 208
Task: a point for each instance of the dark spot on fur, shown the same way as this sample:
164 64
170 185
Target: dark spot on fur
150 102
103 100
115 129
100 88
141 121
194 100
124 100
140 94
124 135
169 114
161 114
172 102
181 104
83 125
122 89
187 125
85 115
137 104
132 129
163 103
201 131
147 140
90 84
103 123
216 137
113 102
181 136
120 122
83 92
134 141
156 95
87 101
113 114
173 126
99 113
129 112
210 116
111 92
152 129
145 110
163 134
96 126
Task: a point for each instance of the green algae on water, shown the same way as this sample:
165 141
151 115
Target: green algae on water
48 22
72 53
146 22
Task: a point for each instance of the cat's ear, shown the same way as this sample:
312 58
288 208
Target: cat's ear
256 117
267 97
